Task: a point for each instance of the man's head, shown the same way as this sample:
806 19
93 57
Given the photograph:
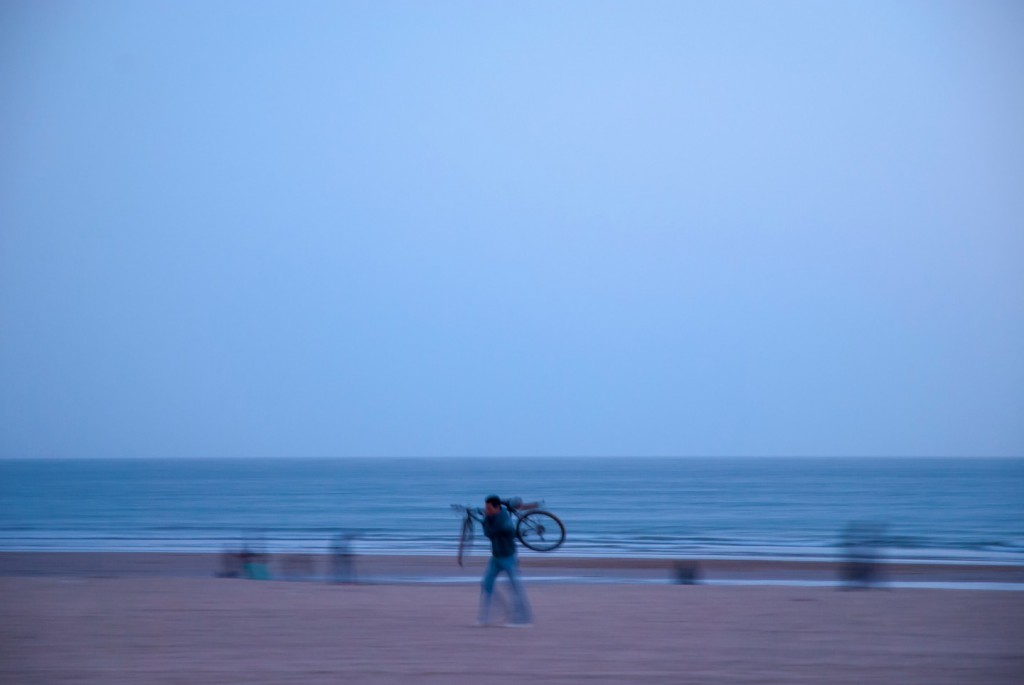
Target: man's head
492 505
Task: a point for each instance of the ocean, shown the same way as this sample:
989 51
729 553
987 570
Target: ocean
941 509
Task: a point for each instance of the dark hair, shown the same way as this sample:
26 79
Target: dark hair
494 501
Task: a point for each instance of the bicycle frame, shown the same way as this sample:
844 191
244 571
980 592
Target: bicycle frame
535 528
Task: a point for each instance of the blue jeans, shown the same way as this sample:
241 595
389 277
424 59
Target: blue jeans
521 607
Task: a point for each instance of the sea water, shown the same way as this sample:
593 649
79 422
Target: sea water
964 509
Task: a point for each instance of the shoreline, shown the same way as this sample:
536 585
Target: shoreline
435 568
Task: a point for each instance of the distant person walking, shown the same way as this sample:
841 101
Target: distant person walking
498 527
343 559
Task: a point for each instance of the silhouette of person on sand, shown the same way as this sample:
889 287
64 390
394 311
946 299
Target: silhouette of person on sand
343 559
860 568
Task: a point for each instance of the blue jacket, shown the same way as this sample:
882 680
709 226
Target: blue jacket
502 534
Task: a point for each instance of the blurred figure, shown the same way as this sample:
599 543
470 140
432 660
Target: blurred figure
860 568
231 565
254 560
253 565
500 530
343 559
686 573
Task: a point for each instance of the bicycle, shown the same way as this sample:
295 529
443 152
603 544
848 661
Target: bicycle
536 528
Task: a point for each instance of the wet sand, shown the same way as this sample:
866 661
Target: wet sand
95 624
411 568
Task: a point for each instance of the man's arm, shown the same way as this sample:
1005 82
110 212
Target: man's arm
517 504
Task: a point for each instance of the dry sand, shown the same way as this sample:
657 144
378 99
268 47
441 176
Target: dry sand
139 629
153 630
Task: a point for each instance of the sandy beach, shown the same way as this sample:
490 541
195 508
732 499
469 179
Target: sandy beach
98 621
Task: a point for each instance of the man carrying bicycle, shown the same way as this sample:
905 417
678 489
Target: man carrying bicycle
500 530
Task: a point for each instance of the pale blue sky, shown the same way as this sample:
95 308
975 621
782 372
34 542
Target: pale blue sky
631 228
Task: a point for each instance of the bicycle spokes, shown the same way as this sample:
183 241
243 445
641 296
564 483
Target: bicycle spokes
540 531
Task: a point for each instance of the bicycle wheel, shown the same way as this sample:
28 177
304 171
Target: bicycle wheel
540 531
465 537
